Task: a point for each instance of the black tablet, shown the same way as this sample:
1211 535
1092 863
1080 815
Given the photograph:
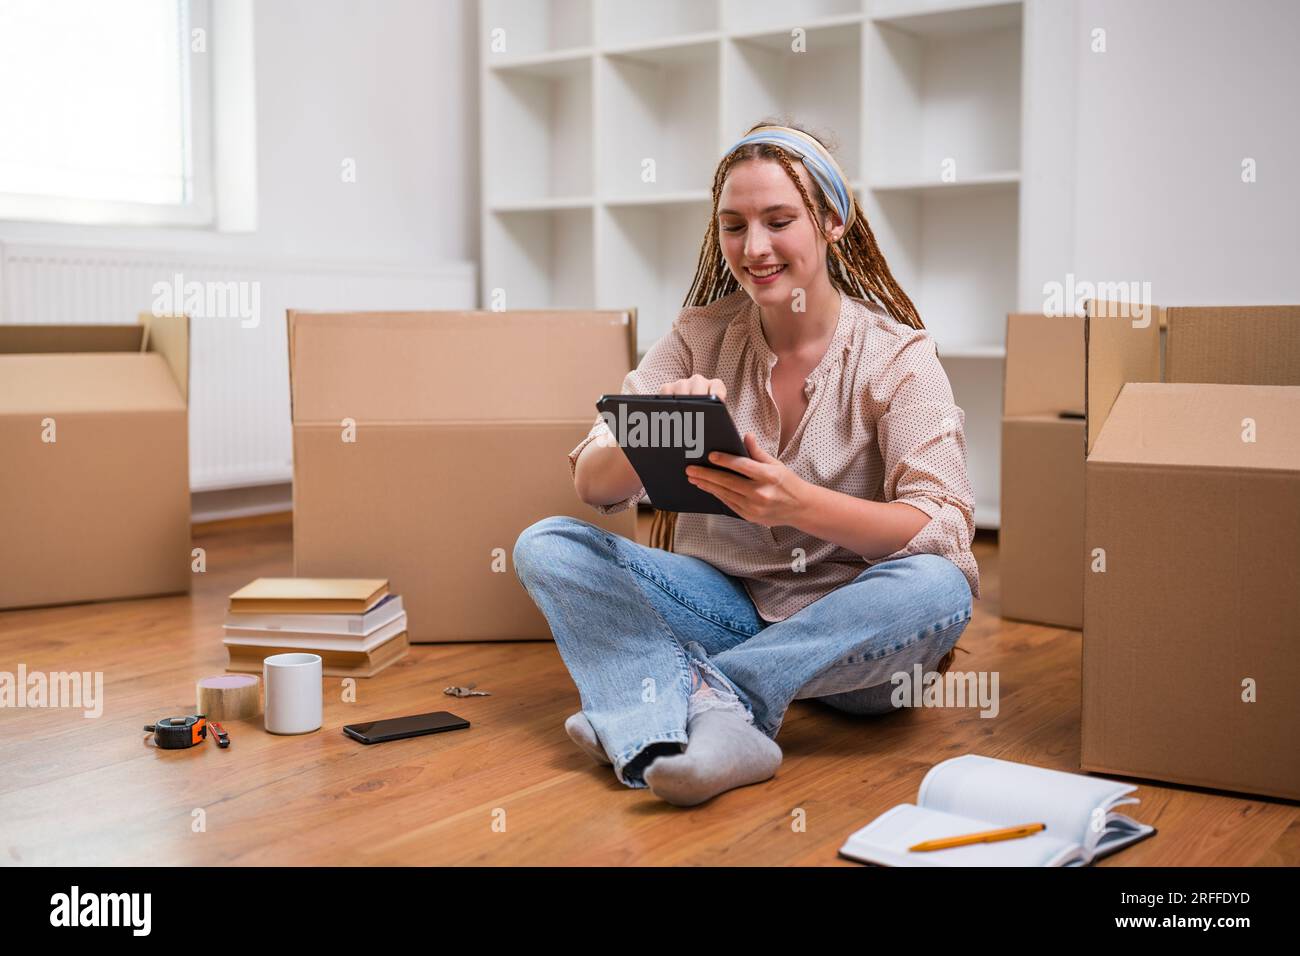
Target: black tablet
662 434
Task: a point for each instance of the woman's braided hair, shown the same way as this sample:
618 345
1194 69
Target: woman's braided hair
855 264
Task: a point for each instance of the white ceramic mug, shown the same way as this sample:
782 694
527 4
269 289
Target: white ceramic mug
293 693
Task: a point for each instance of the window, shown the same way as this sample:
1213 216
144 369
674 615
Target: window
105 111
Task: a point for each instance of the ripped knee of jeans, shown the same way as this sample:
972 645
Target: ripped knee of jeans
710 691
707 698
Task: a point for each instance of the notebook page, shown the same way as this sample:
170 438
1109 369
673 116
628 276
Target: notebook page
1007 793
887 838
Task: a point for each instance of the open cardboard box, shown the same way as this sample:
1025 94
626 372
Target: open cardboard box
1192 524
95 488
425 442
1040 541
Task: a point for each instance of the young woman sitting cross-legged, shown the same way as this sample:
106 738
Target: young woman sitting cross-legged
851 559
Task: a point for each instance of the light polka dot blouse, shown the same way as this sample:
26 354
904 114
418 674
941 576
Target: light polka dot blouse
881 424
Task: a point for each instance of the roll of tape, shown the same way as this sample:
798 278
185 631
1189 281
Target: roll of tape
229 697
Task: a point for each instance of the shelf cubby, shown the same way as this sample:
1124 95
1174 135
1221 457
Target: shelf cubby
539 145
976 381
956 255
542 259
943 102
664 103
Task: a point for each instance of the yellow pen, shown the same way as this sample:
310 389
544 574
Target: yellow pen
985 836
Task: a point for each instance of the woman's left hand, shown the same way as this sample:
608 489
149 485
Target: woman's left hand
765 492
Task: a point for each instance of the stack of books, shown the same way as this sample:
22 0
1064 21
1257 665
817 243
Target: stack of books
354 624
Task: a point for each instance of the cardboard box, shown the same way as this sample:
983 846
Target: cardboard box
95 488
1193 503
460 427
1040 541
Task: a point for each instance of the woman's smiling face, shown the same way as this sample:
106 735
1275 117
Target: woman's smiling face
768 240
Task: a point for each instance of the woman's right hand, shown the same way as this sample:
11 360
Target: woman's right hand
603 475
696 385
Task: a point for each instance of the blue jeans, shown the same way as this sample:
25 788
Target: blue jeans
631 622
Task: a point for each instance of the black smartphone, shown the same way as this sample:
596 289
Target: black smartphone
398 728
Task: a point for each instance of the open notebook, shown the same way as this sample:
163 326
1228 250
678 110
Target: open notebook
971 793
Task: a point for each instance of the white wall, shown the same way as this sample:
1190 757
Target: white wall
392 85
1134 174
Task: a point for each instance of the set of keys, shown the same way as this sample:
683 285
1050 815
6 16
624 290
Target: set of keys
467 691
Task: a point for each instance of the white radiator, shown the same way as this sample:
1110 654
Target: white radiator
240 432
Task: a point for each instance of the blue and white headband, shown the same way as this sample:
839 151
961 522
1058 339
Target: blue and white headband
826 173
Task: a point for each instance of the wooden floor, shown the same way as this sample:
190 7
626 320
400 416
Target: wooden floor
512 789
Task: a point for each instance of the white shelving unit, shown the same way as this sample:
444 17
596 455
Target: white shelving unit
602 122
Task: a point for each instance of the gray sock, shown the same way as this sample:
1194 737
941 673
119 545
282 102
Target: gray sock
723 751
580 731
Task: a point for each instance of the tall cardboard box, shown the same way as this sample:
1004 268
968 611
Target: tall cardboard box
425 442
1192 597
95 485
1040 541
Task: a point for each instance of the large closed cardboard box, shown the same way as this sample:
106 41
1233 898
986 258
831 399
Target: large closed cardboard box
95 485
425 442
1040 541
1192 520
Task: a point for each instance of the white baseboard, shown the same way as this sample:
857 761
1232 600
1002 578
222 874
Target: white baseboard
225 503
